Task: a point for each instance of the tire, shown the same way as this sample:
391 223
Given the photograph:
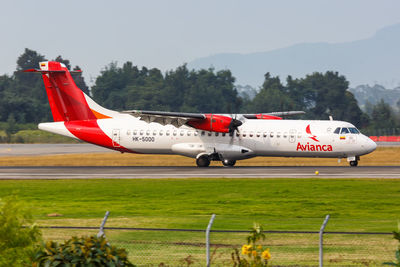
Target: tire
203 161
228 163
354 163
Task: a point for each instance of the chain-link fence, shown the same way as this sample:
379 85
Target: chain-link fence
185 247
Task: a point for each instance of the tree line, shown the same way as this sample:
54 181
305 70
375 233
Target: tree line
23 98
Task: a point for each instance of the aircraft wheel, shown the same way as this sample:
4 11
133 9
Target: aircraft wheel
229 163
203 161
354 163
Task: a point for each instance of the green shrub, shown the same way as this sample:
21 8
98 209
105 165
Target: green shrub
81 251
19 237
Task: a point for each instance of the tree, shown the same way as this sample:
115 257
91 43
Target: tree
272 97
383 116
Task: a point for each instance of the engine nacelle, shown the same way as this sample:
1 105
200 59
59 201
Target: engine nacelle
213 123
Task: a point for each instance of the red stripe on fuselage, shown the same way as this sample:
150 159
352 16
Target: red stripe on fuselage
89 131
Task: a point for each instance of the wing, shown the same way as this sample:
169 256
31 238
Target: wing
272 115
207 122
163 117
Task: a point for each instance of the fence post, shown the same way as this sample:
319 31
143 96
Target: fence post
321 232
208 239
101 230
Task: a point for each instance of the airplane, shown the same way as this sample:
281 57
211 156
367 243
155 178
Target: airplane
204 137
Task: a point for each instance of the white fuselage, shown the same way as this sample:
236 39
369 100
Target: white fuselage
287 138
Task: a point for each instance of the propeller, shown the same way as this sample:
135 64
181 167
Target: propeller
233 126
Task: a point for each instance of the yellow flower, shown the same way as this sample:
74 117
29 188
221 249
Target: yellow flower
246 249
259 247
254 253
266 255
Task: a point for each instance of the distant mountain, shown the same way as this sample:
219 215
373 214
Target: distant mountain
369 61
374 94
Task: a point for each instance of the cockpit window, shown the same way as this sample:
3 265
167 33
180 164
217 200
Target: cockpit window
344 131
337 131
354 130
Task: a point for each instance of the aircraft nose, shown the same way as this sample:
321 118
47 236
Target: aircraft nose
370 145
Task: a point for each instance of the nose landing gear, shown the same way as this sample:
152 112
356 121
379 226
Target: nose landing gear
353 161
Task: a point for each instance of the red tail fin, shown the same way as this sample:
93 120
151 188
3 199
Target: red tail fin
67 101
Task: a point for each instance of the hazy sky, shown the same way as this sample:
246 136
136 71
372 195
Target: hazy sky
165 34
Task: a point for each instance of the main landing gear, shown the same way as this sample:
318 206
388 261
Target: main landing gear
205 160
228 163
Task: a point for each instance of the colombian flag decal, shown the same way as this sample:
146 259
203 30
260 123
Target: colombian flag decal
343 138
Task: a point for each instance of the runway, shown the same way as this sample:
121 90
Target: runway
7 150
151 172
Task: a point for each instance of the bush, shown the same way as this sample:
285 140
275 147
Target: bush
19 236
82 251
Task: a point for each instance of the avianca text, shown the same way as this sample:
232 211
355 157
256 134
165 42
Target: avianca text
309 147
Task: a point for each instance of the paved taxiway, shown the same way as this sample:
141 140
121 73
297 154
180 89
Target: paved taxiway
192 172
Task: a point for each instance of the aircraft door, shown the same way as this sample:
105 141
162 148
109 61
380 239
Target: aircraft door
116 138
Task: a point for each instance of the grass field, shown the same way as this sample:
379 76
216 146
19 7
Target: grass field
382 156
288 204
278 204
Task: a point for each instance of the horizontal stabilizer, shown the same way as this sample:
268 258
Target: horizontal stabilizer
51 71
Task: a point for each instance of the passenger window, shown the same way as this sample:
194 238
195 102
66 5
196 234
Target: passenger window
258 134
337 131
271 134
128 132
155 132
148 132
203 133
278 134
167 132
344 131
189 133
216 133
209 133
251 134
237 134
134 132
161 132
223 134
196 133
141 132
265 134
244 134
182 132
175 132
284 135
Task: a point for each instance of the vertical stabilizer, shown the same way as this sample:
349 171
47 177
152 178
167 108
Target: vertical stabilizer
67 101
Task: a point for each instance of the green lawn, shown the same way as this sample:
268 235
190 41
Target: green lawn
278 204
